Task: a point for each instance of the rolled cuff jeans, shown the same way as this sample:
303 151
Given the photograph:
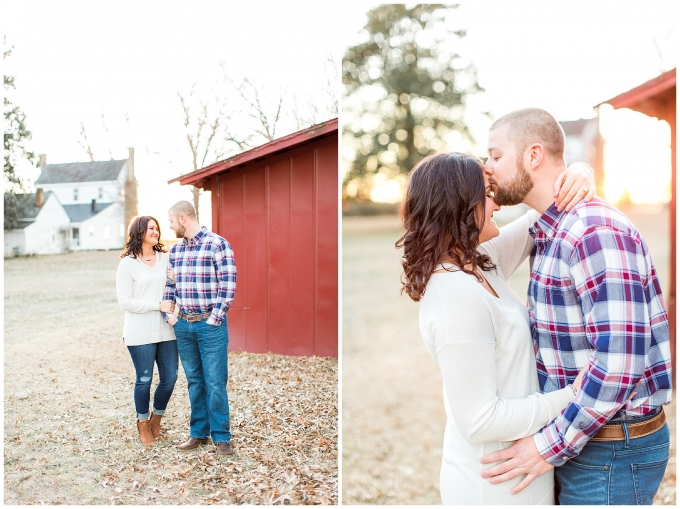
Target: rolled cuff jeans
203 353
164 354
626 472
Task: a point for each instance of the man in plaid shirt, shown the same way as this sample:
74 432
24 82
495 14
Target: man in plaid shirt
203 288
594 299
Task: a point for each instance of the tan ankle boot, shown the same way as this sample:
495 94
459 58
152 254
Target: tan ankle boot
144 428
155 421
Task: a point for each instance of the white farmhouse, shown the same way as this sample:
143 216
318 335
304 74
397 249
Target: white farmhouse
43 226
95 225
76 207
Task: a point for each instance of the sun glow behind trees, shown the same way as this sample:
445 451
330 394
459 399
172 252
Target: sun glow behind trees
566 61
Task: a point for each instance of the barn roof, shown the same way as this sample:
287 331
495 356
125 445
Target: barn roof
643 98
297 139
80 212
93 171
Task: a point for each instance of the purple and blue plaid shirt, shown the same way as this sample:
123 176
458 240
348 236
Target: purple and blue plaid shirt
594 298
205 276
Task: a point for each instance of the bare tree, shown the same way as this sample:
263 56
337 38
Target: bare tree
106 130
661 45
303 111
331 89
266 118
207 133
84 142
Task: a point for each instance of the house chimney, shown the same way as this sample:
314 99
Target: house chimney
130 188
131 163
39 198
43 161
94 205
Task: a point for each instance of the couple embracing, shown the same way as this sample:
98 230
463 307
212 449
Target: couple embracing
561 402
199 277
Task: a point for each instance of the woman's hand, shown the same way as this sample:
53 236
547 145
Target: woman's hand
167 306
579 377
170 273
575 183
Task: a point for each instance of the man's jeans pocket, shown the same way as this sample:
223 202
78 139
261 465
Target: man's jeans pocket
585 482
615 473
646 477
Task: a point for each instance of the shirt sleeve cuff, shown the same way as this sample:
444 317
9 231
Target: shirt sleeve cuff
218 315
548 452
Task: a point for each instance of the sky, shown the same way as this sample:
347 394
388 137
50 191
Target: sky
562 56
76 60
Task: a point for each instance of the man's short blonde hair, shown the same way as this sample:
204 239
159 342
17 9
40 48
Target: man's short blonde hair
534 125
183 207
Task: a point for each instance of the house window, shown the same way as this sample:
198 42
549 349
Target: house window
52 232
76 237
101 193
106 231
91 231
75 194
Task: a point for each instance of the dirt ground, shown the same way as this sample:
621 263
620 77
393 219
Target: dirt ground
70 432
392 408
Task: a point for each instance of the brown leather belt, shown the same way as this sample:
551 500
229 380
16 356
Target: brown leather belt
194 318
614 432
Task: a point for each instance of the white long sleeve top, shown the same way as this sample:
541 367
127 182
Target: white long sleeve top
484 349
140 290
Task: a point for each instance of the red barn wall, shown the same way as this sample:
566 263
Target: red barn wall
280 215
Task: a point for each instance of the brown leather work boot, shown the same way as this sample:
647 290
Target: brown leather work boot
192 444
155 421
144 428
223 447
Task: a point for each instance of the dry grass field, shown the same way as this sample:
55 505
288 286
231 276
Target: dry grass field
70 433
392 408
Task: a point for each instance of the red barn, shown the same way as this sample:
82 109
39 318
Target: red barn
657 98
277 205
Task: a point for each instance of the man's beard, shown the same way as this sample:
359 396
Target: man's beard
180 231
514 192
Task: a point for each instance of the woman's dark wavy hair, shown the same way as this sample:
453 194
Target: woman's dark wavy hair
442 216
136 231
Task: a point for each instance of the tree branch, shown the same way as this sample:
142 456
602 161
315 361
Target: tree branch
84 143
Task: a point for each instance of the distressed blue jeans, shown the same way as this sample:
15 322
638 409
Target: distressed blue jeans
164 354
203 352
627 472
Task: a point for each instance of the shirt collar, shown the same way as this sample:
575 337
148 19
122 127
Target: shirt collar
197 238
548 222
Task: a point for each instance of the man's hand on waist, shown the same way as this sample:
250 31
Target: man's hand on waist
213 320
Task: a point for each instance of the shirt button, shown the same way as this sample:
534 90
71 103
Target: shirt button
550 234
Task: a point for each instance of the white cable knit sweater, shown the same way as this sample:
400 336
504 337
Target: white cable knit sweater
485 352
140 291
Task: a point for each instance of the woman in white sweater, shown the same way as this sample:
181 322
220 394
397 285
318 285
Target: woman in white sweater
140 283
456 263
